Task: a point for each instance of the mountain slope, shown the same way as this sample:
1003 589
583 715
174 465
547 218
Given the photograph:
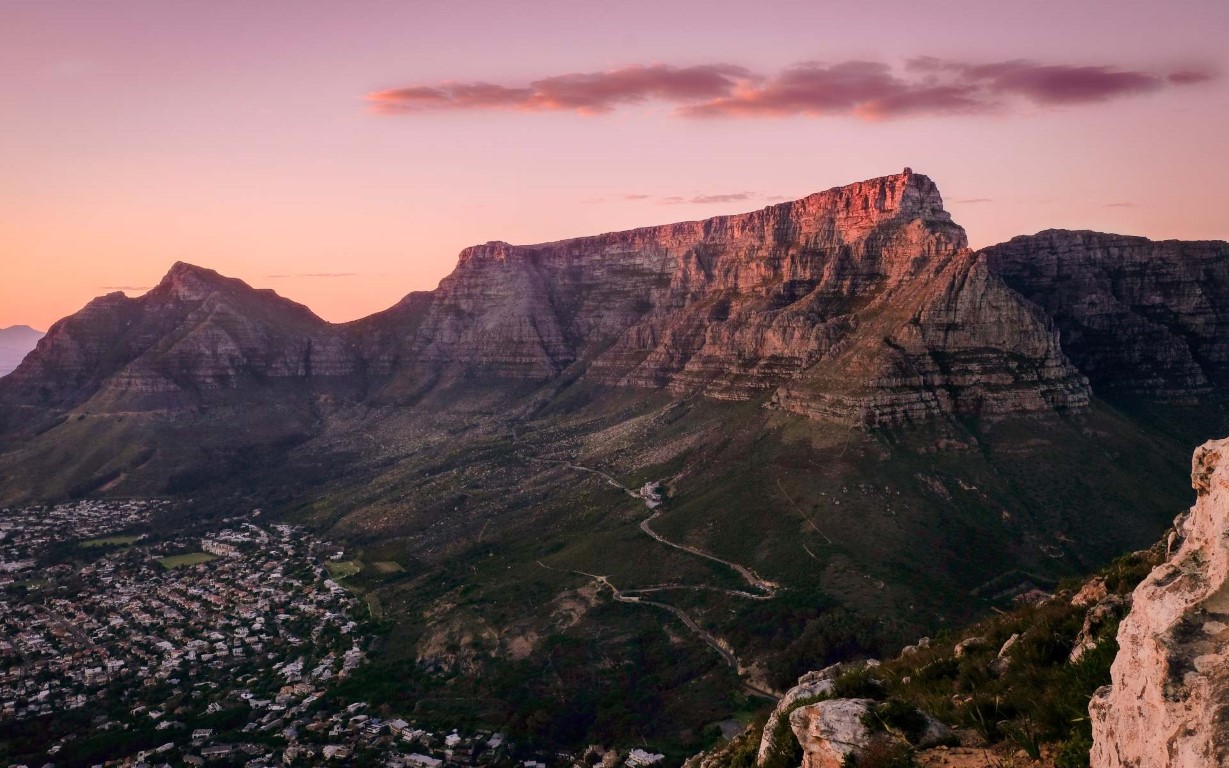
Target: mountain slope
1137 316
15 343
835 395
193 336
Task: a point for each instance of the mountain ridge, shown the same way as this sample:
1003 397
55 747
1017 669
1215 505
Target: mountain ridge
728 307
836 394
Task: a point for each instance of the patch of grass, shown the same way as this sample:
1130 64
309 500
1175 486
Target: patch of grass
110 541
183 561
387 566
340 569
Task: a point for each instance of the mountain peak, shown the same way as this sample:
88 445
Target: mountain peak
189 282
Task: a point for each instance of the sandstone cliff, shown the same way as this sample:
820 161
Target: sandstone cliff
1168 703
860 304
1136 316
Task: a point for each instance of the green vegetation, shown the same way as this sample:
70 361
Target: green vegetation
1038 698
340 569
110 541
185 560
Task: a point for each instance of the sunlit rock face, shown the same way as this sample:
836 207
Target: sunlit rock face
860 304
1168 702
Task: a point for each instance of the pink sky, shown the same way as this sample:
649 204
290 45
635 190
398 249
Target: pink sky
343 153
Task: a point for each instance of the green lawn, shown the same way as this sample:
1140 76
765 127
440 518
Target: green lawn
107 541
343 568
387 566
181 561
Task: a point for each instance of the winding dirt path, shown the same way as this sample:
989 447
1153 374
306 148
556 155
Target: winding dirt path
768 589
752 578
726 653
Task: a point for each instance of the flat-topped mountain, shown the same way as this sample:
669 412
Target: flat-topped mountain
861 304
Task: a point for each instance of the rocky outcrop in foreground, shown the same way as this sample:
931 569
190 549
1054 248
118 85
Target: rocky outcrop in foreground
1168 704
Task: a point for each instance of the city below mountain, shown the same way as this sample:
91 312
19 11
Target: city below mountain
641 482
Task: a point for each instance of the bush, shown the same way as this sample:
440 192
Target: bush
859 683
881 753
897 716
1074 752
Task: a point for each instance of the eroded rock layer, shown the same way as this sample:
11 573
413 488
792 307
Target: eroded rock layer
1168 704
861 304
1139 316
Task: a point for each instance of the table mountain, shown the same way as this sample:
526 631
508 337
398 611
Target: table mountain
857 431
861 304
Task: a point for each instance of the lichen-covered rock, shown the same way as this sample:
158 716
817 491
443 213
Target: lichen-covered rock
1168 704
1096 619
829 731
810 685
969 643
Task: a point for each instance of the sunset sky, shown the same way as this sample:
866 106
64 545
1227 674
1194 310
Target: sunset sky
342 153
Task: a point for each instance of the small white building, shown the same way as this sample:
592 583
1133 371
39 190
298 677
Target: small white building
416 760
638 758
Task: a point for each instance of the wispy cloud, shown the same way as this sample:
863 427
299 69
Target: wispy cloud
973 200
1120 205
586 93
701 199
868 90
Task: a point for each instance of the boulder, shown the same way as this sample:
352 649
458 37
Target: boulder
829 731
1168 702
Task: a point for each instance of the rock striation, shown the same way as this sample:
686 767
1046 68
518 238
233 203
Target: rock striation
861 305
1168 704
1136 316
195 337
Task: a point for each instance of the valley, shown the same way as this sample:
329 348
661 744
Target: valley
634 485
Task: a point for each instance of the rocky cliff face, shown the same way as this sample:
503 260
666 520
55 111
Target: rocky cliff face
1136 316
195 336
860 304
1168 704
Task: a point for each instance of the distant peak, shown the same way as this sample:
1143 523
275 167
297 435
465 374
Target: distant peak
184 269
190 282
19 329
